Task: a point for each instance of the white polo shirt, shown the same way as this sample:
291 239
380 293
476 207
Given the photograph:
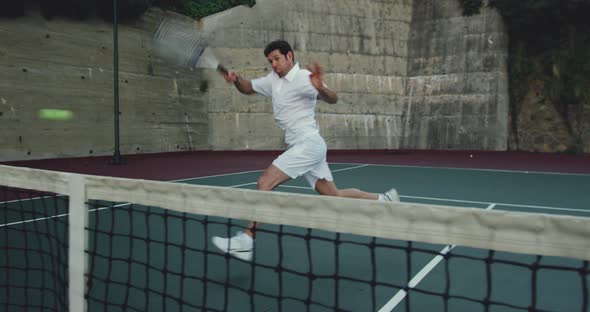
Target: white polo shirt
294 101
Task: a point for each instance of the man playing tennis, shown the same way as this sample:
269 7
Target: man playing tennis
294 93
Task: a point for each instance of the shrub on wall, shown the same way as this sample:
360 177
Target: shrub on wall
201 8
76 9
127 9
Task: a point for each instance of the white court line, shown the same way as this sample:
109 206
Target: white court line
473 169
401 294
91 210
57 216
244 184
181 180
27 199
33 220
349 168
362 166
499 204
215 176
252 171
296 187
471 201
121 205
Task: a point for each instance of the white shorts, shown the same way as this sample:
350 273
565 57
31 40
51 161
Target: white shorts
306 158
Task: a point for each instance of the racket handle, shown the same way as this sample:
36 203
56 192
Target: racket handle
221 68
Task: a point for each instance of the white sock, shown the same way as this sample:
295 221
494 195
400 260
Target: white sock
382 197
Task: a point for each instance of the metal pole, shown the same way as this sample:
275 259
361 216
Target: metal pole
117 156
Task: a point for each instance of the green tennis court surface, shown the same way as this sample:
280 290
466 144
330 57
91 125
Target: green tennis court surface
151 257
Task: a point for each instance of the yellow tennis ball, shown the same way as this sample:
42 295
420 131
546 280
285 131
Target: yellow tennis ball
55 114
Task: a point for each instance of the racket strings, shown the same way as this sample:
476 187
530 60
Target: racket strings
179 42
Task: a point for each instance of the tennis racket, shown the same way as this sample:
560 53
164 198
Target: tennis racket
183 43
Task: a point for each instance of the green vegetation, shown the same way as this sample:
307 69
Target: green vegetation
550 43
127 9
200 8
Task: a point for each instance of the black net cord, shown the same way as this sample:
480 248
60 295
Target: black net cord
535 271
182 257
130 239
280 268
227 257
38 234
91 259
41 216
583 276
166 254
337 270
4 208
26 247
146 268
57 268
447 281
205 261
5 218
109 232
488 262
61 250
310 278
251 289
408 275
110 263
373 274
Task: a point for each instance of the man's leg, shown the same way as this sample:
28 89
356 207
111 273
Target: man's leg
270 178
326 187
329 188
242 244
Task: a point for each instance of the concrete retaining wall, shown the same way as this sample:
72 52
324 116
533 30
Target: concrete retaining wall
409 74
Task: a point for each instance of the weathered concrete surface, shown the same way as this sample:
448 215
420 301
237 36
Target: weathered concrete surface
409 74
64 64
457 79
362 47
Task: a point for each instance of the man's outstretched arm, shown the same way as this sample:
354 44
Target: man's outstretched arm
243 85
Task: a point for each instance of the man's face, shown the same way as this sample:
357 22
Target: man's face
281 64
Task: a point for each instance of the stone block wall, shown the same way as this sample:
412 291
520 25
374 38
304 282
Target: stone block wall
362 47
409 74
457 84
65 64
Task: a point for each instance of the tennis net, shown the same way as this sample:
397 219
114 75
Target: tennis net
78 242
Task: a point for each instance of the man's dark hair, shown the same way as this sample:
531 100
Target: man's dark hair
280 45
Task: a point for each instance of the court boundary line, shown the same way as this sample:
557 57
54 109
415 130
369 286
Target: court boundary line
115 206
473 202
214 176
309 188
499 204
358 166
471 169
252 171
90 210
26 199
402 293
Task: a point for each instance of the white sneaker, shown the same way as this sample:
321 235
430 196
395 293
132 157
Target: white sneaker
391 196
240 246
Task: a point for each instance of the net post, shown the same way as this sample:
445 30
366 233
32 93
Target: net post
78 240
